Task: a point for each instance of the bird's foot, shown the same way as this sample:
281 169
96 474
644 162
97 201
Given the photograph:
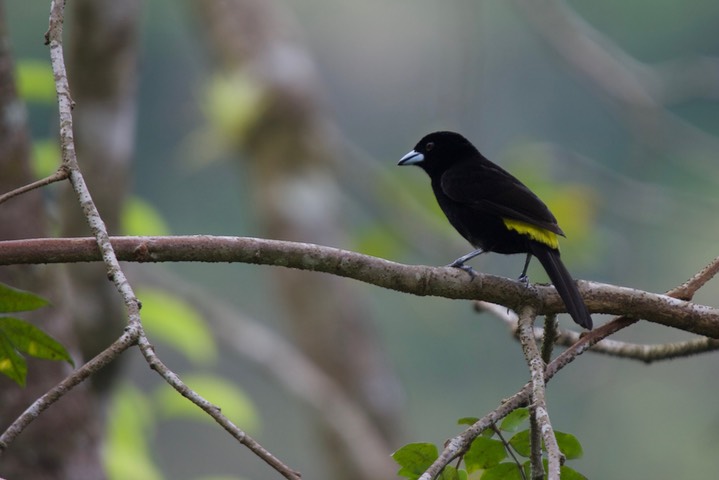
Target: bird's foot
524 279
470 271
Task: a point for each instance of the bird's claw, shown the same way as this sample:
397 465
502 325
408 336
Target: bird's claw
470 271
524 279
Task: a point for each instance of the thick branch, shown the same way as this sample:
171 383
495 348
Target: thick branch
418 280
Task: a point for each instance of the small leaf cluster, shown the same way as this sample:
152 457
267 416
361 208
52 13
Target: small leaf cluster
489 458
19 337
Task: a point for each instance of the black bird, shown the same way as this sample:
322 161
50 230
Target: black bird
494 211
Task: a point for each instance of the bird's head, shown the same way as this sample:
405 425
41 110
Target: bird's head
439 150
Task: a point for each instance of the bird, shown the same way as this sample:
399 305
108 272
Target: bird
494 212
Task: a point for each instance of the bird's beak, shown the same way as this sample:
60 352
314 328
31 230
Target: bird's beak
412 158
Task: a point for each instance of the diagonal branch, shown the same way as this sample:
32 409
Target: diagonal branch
212 410
126 340
686 290
293 370
59 175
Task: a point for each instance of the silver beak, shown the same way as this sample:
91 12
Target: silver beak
412 158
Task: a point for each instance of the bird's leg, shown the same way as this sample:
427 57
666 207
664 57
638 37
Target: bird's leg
459 263
523 277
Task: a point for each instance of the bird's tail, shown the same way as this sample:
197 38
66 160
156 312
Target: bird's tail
564 283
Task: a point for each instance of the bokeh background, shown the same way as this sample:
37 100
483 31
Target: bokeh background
287 121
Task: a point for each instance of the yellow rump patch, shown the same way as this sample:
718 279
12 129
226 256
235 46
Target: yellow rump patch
534 232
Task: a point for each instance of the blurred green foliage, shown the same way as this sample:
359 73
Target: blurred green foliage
141 218
131 425
35 81
176 323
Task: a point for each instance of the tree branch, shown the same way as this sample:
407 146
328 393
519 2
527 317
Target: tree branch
635 351
59 175
686 290
418 280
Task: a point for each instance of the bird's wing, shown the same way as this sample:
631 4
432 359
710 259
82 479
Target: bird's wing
491 189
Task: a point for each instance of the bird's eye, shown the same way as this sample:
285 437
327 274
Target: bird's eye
429 146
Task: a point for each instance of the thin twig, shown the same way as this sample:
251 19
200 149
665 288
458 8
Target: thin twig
636 351
60 174
686 290
645 353
213 411
509 450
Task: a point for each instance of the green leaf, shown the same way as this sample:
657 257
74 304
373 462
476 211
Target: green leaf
27 338
175 322
569 445
451 473
520 443
141 218
503 471
467 421
414 459
512 422
16 300
35 81
484 453
12 364
567 473
235 404
128 453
